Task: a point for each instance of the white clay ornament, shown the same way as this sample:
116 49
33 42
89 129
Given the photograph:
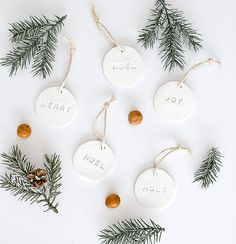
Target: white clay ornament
95 159
175 101
154 188
123 66
92 161
56 106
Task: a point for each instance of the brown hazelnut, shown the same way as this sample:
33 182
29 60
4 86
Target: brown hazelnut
24 131
112 201
135 117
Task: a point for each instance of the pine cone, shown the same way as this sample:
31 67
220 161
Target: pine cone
37 177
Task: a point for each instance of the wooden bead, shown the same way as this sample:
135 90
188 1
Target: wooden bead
24 131
135 117
112 201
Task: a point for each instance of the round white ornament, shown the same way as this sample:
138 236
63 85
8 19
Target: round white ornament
92 161
174 103
154 188
123 66
56 107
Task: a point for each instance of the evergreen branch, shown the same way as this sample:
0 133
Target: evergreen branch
34 39
150 34
19 187
170 27
208 172
190 37
29 28
45 54
35 27
20 57
132 231
53 167
17 163
44 57
17 183
171 51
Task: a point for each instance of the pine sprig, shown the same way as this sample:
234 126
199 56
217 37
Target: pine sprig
190 37
132 231
20 57
35 41
208 172
171 50
28 28
45 56
17 183
170 27
53 168
20 188
17 163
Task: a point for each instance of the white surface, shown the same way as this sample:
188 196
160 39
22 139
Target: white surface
173 103
154 188
93 161
56 108
196 216
123 67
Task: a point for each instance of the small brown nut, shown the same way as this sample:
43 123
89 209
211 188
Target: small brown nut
112 201
24 131
135 117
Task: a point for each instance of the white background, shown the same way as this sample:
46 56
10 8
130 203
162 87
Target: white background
197 216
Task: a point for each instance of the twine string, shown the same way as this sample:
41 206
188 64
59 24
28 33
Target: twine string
166 152
72 53
105 32
104 110
196 66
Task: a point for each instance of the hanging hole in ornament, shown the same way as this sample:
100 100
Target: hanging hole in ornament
122 49
155 171
179 84
60 90
103 148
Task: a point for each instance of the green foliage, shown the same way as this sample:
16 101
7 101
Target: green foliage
170 27
135 231
17 183
35 42
208 172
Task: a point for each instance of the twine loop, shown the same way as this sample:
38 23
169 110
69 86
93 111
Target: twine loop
196 66
166 152
104 110
72 53
105 32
